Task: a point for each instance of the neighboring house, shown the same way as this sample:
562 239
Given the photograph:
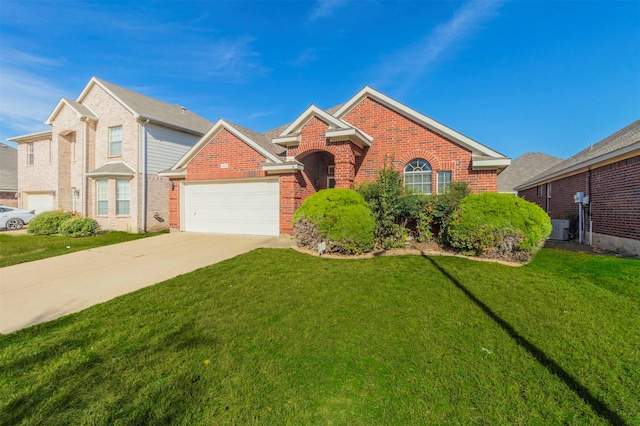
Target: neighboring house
8 175
235 180
608 173
103 154
523 169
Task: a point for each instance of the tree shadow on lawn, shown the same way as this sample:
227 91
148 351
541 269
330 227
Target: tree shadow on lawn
543 359
92 382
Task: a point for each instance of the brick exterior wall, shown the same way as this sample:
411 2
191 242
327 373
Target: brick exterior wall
8 199
41 177
111 114
398 138
240 159
614 191
174 205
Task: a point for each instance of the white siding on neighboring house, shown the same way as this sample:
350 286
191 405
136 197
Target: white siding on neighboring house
166 146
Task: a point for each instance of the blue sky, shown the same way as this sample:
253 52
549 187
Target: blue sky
517 76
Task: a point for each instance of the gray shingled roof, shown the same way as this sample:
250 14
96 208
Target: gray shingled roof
83 110
113 169
159 111
259 138
621 139
8 168
525 168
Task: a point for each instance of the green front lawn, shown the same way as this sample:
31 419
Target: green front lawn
16 249
279 337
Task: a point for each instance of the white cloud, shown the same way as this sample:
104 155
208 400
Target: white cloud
305 58
325 8
413 62
27 99
26 102
227 60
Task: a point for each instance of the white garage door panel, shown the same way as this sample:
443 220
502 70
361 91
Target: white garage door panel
39 202
250 208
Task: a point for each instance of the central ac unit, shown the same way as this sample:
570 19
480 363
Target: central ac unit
559 229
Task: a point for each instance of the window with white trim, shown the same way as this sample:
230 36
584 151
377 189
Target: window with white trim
122 197
102 197
115 141
417 175
444 180
30 151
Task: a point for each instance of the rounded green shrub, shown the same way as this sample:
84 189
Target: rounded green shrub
79 227
47 223
498 225
339 217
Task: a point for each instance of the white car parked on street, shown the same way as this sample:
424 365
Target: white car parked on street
13 218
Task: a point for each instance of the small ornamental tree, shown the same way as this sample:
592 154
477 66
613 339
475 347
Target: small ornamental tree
499 226
385 198
339 217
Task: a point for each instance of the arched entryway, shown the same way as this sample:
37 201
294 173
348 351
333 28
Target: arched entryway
319 171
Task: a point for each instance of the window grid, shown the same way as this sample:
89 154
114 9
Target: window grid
30 155
122 197
102 197
115 141
444 181
417 175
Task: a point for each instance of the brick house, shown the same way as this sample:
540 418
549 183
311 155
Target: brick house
608 172
102 156
8 175
235 180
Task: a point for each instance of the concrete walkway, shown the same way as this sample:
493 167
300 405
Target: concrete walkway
39 291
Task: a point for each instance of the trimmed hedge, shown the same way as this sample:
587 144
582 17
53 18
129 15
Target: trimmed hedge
47 223
498 225
340 217
79 227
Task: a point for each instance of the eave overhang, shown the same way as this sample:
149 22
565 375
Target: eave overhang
283 168
489 163
31 137
174 174
352 134
287 141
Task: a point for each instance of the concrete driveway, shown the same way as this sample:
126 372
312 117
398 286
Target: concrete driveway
39 291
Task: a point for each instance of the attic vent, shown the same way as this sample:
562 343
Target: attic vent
184 109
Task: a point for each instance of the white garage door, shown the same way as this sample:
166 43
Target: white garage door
40 202
249 208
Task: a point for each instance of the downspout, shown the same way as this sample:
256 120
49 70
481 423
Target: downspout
590 216
84 169
144 175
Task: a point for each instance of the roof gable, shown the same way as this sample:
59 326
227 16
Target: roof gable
231 128
338 129
144 107
367 92
81 111
313 111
